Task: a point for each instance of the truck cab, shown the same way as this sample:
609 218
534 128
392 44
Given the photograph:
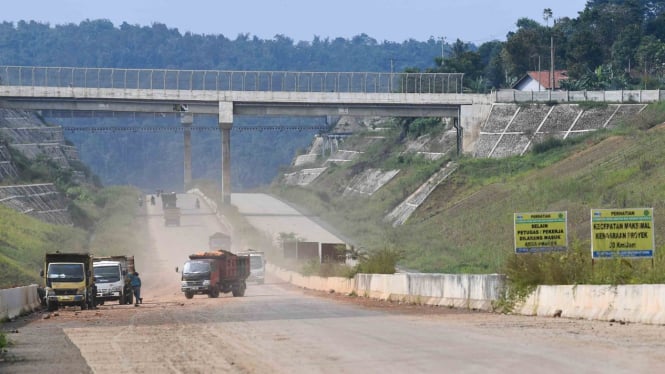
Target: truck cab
111 280
171 210
68 280
257 265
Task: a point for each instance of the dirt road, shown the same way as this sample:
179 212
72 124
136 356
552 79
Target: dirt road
276 328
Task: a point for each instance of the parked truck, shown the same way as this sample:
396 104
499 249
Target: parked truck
171 210
213 272
68 280
111 278
257 265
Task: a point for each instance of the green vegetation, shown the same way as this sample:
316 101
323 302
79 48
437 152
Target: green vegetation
466 223
24 240
118 231
3 342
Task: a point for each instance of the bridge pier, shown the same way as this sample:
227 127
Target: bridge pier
225 125
186 120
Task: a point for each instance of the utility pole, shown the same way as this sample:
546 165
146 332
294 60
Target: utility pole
552 62
547 14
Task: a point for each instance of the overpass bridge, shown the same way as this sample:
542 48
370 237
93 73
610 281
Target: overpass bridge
71 91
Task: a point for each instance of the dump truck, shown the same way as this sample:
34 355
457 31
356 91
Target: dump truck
68 280
219 240
111 278
171 210
213 272
257 265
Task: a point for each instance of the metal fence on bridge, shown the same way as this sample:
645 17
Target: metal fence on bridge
216 80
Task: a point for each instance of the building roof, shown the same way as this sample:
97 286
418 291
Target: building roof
542 78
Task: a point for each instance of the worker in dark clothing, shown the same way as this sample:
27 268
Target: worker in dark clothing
135 282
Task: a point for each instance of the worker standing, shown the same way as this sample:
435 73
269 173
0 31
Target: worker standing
135 282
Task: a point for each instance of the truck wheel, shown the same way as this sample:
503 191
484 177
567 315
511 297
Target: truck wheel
189 295
84 305
51 306
239 290
214 292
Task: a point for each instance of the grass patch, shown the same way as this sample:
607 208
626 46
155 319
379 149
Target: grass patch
24 240
586 105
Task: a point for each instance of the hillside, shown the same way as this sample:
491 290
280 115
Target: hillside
50 201
465 225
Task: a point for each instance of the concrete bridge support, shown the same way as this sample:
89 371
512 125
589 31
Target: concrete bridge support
225 125
186 120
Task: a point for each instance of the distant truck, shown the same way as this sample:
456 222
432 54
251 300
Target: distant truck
111 278
213 272
171 210
68 280
219 240
257 265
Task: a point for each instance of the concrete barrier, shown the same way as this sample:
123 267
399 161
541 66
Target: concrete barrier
17 301
630 303
470 291
643 303
456 290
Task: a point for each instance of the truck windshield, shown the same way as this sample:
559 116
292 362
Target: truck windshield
256 262
107 274
196 267
65 272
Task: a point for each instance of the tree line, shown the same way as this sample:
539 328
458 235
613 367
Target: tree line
612 44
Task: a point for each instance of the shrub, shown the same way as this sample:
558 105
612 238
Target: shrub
547 144
382 261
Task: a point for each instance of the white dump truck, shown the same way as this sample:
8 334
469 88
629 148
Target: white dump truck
257 265
111 278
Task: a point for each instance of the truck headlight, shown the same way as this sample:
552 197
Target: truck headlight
183 283
116 288
50 292
206 282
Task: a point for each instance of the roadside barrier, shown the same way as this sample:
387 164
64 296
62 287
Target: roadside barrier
643 303
640 303
18 301
454 290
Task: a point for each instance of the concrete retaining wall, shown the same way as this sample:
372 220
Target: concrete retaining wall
17 301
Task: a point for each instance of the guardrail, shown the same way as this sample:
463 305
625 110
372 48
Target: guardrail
617 96
218 80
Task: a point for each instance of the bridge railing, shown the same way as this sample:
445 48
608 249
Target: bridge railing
217 80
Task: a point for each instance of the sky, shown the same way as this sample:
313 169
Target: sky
475 21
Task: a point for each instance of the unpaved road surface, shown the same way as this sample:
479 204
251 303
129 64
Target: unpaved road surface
276 328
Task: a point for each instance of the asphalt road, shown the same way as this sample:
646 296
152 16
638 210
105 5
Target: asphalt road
276 328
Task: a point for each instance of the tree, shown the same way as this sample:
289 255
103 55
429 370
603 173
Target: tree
547 15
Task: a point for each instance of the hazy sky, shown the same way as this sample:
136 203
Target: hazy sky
393 20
